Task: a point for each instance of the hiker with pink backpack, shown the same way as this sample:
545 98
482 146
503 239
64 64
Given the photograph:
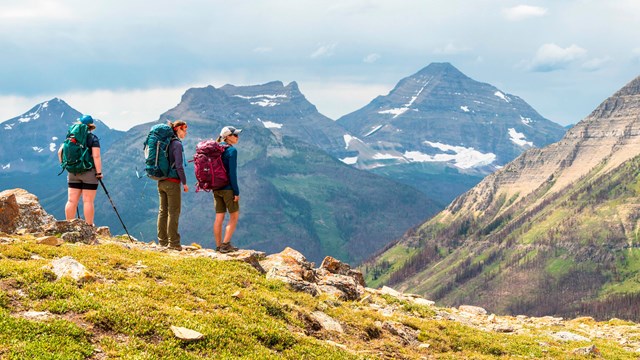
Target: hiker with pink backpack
215 165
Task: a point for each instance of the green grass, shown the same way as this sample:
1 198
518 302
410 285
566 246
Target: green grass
126 313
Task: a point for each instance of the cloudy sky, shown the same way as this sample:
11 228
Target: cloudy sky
126 62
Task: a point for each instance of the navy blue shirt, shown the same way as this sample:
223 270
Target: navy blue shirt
176 159
230 161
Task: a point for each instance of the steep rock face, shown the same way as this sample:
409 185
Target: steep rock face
609 134
439 114
553 232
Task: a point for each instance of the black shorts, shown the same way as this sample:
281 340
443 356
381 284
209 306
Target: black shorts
85 181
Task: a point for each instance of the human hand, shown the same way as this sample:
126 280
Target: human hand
236 198
99 175
185 187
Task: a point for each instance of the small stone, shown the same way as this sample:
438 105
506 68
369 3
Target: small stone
327 322
49 240
475 310
103 231
569 336
68 266
587 350
424 346
237 295
389 291
186 334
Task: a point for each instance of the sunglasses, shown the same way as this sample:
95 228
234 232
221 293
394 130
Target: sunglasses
236 135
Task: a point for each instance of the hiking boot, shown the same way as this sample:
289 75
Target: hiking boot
175 247
227 248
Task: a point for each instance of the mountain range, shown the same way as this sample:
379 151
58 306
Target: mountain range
300 184
554 232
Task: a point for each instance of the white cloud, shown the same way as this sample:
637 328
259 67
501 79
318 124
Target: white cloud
552 57
522 12
371 58
35 10
323 51
596 63
451 49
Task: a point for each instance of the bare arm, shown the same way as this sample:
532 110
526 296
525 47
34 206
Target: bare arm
97 160
60 154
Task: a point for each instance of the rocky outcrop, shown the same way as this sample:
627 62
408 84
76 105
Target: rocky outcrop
333 277
72 231
21 211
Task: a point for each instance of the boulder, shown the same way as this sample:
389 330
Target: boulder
68 266
50 240
335 266
326 321
407 335
103 231
341 286
20 210
73 231
293 268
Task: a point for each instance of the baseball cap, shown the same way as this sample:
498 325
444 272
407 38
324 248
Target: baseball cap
229 130
86 119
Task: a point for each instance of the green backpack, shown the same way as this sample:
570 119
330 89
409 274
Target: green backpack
76 156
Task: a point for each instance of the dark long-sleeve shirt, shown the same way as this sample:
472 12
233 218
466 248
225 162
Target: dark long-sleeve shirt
230 161
176 160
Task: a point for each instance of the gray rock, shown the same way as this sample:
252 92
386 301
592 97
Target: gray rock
186 334
68 266
569 336
327 322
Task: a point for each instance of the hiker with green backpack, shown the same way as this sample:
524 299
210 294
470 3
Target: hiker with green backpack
80 156
164 160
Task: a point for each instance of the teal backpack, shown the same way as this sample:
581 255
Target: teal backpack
76 156
156 153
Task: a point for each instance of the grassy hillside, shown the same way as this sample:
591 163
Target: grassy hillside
573 252
136 295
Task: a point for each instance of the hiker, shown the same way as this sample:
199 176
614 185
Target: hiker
84 182
227 199
170 198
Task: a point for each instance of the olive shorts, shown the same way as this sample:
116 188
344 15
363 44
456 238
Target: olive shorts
223 200
85 181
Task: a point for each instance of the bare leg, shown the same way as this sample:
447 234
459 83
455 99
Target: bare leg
231 226
72 203
88 197
217 228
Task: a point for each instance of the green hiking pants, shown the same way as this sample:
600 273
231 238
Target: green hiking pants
169 213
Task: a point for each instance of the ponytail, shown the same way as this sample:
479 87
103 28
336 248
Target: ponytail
220 139
176 124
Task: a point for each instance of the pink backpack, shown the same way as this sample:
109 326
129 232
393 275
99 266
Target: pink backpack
209 169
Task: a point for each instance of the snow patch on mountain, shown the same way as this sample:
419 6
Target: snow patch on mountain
350 160
376 128
8 126
502 96
464 108
8 166
401 110
52 147
526 120
462 157
518 138
263 100
348 139
36 148
381 156
270 124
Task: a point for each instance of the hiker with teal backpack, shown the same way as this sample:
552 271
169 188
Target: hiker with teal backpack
165 161
80 156
227 198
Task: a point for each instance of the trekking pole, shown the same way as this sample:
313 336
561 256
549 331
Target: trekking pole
116 210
